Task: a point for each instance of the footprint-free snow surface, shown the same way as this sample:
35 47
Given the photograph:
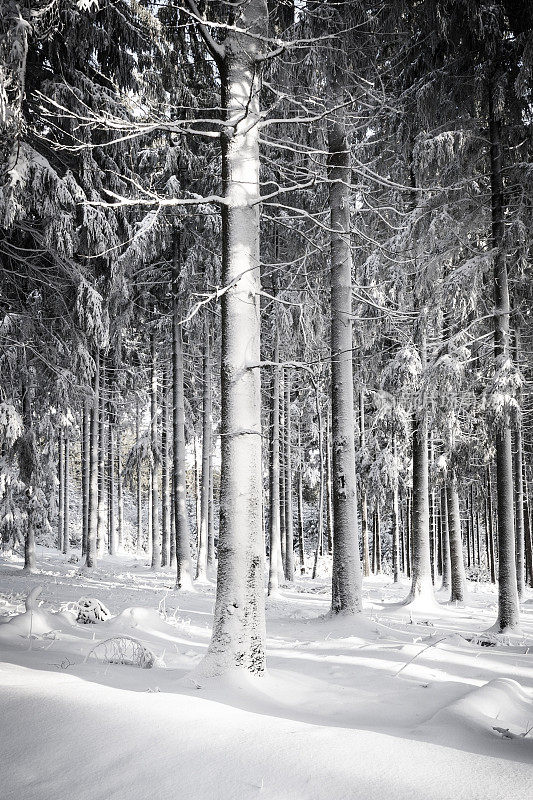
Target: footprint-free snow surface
397 704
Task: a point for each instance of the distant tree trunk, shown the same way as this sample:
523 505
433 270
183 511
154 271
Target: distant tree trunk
289 531
377 538
179 474
100 534
275 565
238 638
445 538
150 519
329 493
154 471
364 503
207 425
28 469
408 528
112 535
519 509
491 529
346 569
321 480
421 583
120 488
301 550
85 473
92 548
197 493
165 471
527 531
395 519
211 520
508 607
66 498
282 468
457 566
139 474
61 479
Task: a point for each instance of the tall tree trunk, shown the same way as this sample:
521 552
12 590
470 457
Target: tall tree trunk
346 570
28 468
66 498
165 472
301 550
207 425
508 607
289 530
85 473
112 534
179 474
409 527
120 498
211 519
282 468
275 565
445 538
238 638
100 532
154 467
519 490
139 475
457 566
92 531
61 479
395 519
321 481
364 502
421 583
329 493
491 529
377 536
197 492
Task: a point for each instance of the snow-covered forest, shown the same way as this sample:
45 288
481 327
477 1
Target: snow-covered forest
266 413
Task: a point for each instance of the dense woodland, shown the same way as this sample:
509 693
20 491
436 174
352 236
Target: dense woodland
265 295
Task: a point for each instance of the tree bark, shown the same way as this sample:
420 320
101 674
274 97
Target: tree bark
346 570
120 497
100 532
61 479
139 474
508 607
301 549
154 465
289 530
395 519
364 502
275 568
165 472
445 538
179 474
112 534
66 498
85 473
207 425
421 583
457 566
92 531
238 638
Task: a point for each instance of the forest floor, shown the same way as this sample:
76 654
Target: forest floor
400 703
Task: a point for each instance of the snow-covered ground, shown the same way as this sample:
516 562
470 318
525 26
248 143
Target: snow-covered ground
396 704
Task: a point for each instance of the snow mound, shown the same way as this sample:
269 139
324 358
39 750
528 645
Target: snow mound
35 622
501 703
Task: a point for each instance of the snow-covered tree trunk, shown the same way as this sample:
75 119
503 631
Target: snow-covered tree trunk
92 529
493 565
289 530
100 530
179 476
28 468
301 550
445 540
238 638
364 503
508 608
138 474
120 492
66 498
85 472
329 492
112 534
165 472
282 470
211 519
346 570
457 566
207 424
395 518
275 558
154 463
61 489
